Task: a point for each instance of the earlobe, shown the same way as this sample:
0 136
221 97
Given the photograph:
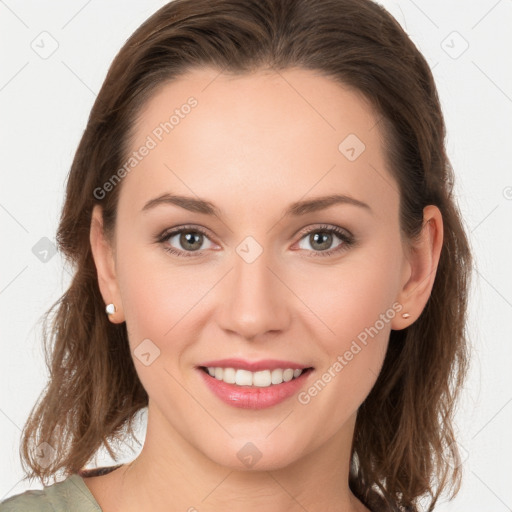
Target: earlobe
423 259
103 256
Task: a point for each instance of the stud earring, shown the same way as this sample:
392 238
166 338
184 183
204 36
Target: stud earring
406 315
110 309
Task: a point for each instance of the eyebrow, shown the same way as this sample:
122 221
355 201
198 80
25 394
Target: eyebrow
296 209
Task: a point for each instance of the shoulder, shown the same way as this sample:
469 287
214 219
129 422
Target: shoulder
70 494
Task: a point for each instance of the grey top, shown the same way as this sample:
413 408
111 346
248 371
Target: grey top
70 495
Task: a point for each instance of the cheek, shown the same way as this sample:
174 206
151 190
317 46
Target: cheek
163 301
158 302
353 307
158 297
350 298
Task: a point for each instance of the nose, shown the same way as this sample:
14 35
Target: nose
255 300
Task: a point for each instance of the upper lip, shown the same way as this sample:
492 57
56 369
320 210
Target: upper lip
254 366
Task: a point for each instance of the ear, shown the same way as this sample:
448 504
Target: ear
420 268
103 255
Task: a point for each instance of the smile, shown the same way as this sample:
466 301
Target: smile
263 378
254 390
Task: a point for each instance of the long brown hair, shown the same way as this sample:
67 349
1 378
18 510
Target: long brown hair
403 445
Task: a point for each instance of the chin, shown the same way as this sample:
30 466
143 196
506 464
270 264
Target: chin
257 455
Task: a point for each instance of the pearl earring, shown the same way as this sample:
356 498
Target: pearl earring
110 309
406 315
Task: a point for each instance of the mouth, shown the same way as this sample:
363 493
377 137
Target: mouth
258 379
261 389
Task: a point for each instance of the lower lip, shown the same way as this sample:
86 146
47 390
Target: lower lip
253 397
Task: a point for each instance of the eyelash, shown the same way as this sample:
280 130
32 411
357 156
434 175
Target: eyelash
347 239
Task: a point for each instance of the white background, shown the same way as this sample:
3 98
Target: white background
44 107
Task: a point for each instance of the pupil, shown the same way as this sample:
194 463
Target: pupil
327 236
188 239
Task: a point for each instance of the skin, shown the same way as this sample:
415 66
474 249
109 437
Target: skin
253 145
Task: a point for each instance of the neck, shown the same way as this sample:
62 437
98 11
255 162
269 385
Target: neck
171 474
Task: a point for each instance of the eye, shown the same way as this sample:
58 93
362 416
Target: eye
321 238
189 240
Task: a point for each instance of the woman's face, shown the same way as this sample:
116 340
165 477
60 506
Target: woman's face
260 279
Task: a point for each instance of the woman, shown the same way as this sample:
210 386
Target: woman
268 256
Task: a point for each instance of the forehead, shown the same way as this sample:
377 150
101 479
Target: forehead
257 139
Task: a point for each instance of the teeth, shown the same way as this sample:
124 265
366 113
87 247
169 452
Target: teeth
229 375
243 378
259 379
